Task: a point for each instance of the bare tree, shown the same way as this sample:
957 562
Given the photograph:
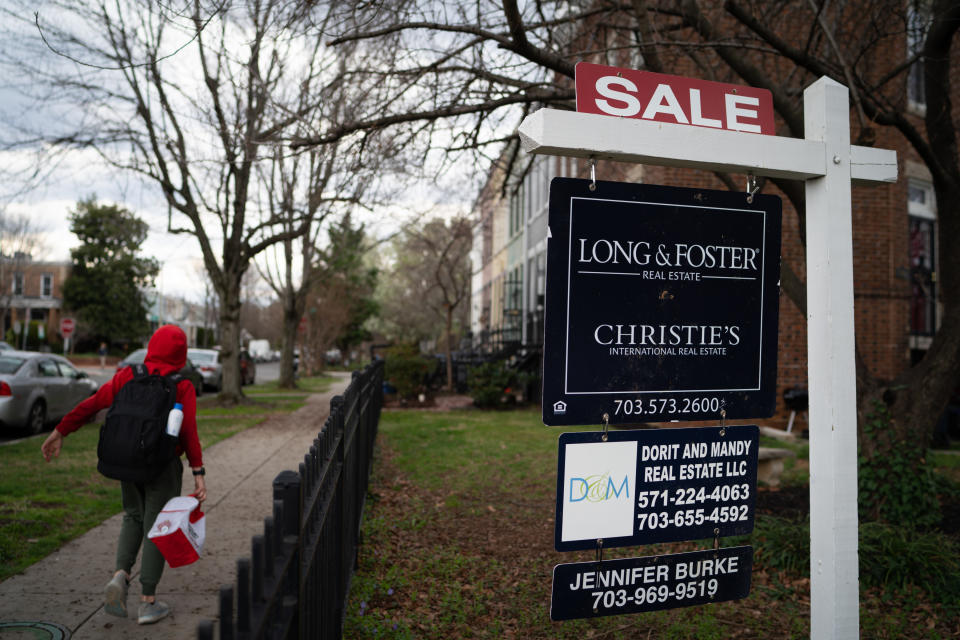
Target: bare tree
309 190
432 267
192 96
325 318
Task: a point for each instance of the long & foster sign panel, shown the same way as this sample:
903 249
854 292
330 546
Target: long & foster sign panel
661 304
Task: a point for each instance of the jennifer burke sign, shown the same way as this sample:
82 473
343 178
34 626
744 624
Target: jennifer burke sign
661 304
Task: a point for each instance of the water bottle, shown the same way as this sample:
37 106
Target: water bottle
174 420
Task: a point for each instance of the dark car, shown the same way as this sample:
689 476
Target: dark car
189 371
248 368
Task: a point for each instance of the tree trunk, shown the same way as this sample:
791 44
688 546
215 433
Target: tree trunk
291 321
449 331
231 392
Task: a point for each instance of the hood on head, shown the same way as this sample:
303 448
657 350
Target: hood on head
167 350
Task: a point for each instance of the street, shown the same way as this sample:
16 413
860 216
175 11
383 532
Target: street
266 372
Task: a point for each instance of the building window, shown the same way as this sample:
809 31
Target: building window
918 21
923 295
513 305
18 283
515 210
922 221
46 285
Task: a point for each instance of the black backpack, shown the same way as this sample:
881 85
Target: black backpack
134 444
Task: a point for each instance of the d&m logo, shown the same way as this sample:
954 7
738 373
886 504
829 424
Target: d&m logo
595 498
598 488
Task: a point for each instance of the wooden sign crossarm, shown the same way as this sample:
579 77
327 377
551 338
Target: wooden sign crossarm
584 135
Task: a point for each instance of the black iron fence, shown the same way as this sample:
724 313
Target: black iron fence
296 581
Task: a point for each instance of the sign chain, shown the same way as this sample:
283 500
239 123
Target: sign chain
596 573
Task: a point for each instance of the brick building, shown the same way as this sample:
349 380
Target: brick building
32 292
895 236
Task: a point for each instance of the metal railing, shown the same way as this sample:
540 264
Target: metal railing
297 579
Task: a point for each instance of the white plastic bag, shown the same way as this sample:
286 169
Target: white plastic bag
179 531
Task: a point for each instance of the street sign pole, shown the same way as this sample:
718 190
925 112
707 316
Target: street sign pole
827 162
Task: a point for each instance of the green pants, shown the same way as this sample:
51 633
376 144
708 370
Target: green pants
142 501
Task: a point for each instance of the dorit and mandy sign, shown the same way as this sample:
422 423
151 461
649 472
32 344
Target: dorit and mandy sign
661 304
628 93
649 486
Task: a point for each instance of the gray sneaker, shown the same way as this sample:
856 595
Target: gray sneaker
151 612
115 596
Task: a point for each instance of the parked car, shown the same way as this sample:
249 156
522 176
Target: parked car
248 368
189 370
5 346
208 362
37 389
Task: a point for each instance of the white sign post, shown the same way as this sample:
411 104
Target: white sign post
827 162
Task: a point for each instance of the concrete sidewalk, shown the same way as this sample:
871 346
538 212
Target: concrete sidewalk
65 590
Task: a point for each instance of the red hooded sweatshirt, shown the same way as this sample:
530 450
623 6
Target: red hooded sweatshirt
166 354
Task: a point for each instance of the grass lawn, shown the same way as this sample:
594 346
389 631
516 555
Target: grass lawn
458 543
43 506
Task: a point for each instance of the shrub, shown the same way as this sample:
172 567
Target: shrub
891 557
494 384
896 484
406 370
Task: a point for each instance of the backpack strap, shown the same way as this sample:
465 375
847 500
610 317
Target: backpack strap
140 370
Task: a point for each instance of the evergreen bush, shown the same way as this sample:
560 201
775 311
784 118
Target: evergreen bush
494 384
406 370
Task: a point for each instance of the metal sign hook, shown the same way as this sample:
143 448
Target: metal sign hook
753 185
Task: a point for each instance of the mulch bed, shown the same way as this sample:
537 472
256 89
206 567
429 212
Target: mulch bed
431 403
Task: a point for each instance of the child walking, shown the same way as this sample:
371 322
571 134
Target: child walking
142 501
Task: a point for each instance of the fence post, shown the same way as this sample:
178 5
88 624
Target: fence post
286 491
226 612
259 569
339 434
205 630
243 595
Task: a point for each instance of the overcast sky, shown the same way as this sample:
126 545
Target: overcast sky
82 174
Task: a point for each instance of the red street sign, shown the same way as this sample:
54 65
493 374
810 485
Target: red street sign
629 93
66 327
303 324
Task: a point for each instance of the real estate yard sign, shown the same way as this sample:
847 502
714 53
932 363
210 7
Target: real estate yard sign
662 304
828 164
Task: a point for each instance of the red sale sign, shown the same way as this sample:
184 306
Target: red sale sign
628 93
